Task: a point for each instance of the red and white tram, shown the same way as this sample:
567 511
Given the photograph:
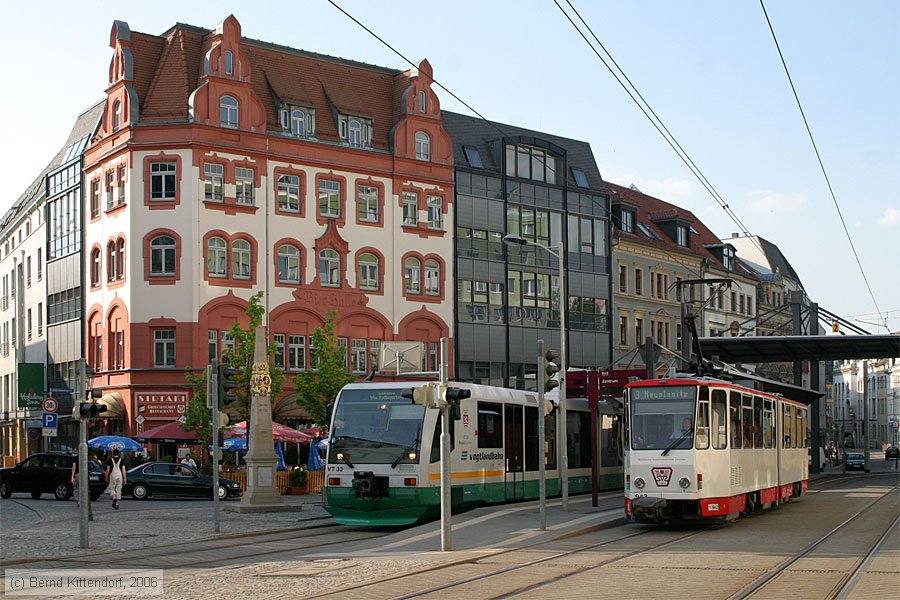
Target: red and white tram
702 447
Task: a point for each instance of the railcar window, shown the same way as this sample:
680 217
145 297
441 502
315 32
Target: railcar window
747 420
531 439
768 423
490 425
610 441
757 422
579 433
702 427
719 419
735 414
788 424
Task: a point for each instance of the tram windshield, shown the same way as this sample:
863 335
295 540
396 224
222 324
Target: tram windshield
662 417
376 426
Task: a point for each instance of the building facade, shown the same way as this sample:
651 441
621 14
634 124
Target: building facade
225 166
546 190
882 382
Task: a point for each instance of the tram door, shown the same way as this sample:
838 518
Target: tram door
514 444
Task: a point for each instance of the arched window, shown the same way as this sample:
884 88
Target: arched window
329 268
162 255
354 135
120 259
95 267
229 63
117 115
432 278
298 123
111 261
228 112
411 276
423 146
368 272
216 260
288 264
240 259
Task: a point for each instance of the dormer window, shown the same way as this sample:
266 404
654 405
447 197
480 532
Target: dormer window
229 63
423 146
627 221
422 104
682 236
728 257
300 121
356 131
228 112
117 115
531 163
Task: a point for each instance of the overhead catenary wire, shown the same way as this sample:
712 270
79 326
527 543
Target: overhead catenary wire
822 164
655 120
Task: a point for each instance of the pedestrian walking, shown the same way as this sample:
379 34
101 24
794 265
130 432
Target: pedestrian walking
73 479
115 475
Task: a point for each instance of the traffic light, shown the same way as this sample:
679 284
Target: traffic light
550 368
87 410
226 378
425 394
454 395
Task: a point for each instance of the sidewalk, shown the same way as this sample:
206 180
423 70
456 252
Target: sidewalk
49 528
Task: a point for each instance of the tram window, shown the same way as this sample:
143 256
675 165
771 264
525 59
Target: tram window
610 441
702 426
768 423
800 427
490 425
747 420
719 419
788 425
757 422
735 414
579 434
531 439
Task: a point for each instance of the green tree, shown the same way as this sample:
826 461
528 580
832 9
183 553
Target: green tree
318 387
197 415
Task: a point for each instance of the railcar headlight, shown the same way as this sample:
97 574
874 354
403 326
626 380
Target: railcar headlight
684 482
411 455
639 483
340 456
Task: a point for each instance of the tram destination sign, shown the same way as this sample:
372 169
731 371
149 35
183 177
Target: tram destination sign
664 392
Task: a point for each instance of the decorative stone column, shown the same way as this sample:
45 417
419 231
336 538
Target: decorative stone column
262 487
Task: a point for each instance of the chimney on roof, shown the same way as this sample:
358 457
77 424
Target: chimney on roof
735 234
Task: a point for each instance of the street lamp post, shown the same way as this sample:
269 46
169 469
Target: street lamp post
514 240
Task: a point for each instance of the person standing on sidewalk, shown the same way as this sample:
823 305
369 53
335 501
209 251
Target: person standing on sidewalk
115 475
73 479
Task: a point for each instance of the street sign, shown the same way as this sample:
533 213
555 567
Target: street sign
49 420
139 419
49 405
34 434
49 431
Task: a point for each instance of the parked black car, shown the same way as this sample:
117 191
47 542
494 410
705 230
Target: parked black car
170 479
856 461
891 452
47 473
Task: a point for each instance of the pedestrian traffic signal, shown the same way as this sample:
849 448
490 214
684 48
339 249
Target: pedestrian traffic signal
550 368
87 410
226 378
424 394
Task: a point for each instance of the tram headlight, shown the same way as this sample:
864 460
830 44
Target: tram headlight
684 482
411 455
639 483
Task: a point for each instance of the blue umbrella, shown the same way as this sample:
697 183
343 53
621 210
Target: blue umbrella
115 442
234 444
314 462
280 452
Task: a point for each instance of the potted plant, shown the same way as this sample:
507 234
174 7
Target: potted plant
299 482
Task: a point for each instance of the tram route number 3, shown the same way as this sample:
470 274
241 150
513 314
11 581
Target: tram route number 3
335 469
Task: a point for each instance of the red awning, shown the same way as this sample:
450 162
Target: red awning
169 433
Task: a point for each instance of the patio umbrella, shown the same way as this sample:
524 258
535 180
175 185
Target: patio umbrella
314 463
170 433
115 442
233 445
281 466
279 432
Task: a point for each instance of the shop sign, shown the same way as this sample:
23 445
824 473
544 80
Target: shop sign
161 405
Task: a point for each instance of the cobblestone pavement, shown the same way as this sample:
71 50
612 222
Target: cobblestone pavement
46 527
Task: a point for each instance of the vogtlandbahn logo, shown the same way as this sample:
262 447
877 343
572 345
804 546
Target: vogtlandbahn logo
464 455
662 475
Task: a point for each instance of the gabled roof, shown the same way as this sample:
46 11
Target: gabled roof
480 134
168 68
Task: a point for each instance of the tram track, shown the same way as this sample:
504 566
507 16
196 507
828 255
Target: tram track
781 568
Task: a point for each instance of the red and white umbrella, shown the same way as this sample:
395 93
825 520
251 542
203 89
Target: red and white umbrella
279 432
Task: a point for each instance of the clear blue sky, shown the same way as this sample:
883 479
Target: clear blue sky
708 68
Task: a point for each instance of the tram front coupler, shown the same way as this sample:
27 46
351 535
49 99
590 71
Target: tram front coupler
367 485
645 508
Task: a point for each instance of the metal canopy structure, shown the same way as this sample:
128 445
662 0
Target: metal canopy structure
794 392
766 349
